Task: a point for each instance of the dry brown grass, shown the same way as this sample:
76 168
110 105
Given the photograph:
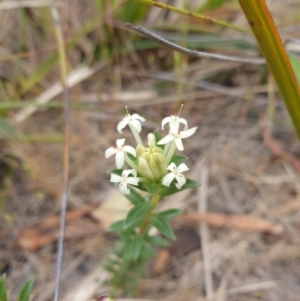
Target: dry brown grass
244 177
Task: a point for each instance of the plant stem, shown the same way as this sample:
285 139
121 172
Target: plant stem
154 201
268 39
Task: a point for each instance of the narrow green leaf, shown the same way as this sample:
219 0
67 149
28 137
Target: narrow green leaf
115 171
162 226
163 191
133 249
178 159
116 226
151 187
271 46
3 290
134 197
147 252
132 158
25 291
157 241
170 213
137 214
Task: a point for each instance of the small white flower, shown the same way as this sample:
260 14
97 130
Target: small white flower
176 135
134 120
176 120
175 174
119 152
124 180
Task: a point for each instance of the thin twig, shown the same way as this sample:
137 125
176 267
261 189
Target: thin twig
152 36
205 235
64 198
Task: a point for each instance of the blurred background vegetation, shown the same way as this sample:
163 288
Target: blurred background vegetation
245 140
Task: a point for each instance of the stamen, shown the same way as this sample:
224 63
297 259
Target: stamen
126 110
180 109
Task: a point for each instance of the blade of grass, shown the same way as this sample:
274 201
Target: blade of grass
66 154
268 39
194 15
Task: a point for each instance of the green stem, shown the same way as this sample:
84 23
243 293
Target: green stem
193 15
154 201
268 39
136 135
171 152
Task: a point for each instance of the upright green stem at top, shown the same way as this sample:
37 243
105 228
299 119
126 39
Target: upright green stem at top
268 39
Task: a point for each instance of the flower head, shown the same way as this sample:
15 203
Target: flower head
175 174
124 180
177 120
119 152
176 135
133 120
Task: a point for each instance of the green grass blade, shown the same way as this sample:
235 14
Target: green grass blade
193 15
25 291
3 290
268 39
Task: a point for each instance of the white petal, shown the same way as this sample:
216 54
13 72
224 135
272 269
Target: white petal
183 121
132 180
188 133
119 159
120 142
115 178
110 151
137 116
172 167
121 125
167 179
164 122
127 172
166 139
182 167
179 145
181 180
174 126
123 188
136 125
177 185
129 149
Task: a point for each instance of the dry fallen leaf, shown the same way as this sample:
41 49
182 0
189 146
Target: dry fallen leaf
238 221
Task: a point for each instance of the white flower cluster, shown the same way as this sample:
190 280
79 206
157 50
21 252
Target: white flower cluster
153 162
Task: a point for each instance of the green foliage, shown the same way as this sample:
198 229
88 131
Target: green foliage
161 224
3 289
170 213
178 159
151 188
134 197
164 191
137 214
24 293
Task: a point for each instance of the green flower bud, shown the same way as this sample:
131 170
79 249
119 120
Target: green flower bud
145 169
154 167
145 155
139 150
